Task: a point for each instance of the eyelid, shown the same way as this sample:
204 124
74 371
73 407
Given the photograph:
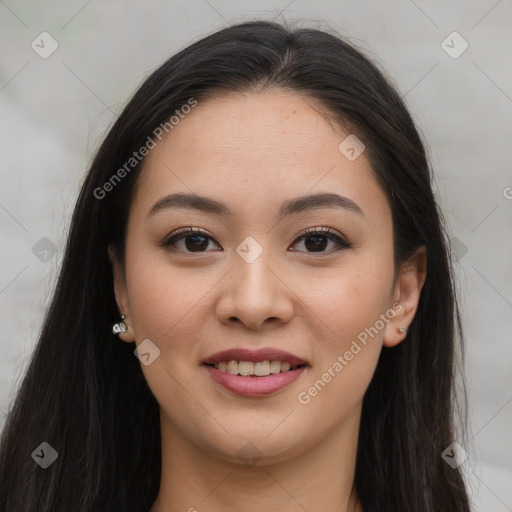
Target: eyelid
320 230
330 233
187 230
333 235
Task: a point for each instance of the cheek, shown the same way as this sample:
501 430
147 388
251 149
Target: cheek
345 301
166 307
346 352
163 296
347 335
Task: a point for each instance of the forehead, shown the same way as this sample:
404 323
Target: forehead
259 147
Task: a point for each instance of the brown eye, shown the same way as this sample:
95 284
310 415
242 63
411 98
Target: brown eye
192 240
317 240
189 240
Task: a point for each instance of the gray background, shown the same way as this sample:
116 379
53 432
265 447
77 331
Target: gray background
55 110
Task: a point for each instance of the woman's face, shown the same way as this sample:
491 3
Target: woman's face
257 171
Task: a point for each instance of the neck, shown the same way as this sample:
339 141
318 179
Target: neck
320 477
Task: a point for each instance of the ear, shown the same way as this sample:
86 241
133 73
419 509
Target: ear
121 295
407 290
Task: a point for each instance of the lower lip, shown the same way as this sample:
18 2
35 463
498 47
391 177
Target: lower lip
254 386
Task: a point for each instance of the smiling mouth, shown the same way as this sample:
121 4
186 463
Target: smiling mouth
255 369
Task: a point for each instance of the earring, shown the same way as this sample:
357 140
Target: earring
402 330
120 326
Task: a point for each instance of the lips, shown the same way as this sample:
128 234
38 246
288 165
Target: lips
254 386
263 372
264 354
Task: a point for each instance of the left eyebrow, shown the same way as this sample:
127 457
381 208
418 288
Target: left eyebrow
289 207
320 200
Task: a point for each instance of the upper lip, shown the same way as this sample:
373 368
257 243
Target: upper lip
262 354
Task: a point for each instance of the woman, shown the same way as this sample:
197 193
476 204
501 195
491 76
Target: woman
259 225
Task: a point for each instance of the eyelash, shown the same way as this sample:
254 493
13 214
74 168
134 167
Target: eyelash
184 232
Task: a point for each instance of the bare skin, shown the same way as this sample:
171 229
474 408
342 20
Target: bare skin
253 152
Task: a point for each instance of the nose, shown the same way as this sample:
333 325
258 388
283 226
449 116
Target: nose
255 295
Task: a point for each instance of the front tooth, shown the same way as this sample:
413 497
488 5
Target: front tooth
285 366
232 367
275 367
262 369
246 368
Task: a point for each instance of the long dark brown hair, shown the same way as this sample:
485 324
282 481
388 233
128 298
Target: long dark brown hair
85 394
